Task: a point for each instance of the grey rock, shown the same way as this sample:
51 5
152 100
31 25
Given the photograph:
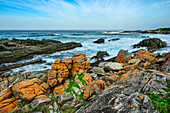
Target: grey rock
98 70
113 66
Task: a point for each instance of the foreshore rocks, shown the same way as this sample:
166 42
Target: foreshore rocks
152 44
118 85
17 49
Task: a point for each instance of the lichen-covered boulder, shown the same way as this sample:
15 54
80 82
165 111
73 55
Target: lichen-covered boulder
92 88
8 105
58 90
123 56
143 55
27 90
80 63
59 71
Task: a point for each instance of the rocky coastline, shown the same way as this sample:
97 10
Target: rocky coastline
16 49
157 31
124 83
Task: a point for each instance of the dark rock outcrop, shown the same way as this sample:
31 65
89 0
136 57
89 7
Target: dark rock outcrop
100 55
152 44
16 49
114 39
7 68
99 41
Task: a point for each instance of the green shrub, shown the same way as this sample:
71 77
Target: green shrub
160 102
72 83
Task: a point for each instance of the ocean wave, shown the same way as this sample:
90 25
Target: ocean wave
78 34
115 33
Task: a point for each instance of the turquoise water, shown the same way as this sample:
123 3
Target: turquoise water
86 38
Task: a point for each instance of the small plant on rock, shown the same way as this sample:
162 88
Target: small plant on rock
72 83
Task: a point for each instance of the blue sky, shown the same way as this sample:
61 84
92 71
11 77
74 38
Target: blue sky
84 14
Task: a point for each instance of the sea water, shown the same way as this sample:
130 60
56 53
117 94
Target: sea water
86 38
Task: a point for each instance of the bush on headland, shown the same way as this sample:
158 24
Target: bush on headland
125 84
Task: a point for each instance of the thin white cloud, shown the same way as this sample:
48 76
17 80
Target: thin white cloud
82 8
161 3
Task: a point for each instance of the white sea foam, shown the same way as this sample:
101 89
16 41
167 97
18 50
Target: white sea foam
89 48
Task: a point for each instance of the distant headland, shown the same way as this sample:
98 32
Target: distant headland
156 31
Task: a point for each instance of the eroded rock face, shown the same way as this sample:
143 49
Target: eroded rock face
8 105
17 49
80 63
125 95
92 88
166 66
59 71
123 56
27 90
5 94
143 55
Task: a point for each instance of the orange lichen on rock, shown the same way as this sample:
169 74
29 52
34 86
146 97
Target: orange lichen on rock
130 72
87 78
80 63
123 56
167 55
27 90
143 55
59 71
58 90
94 87
8 105
6 93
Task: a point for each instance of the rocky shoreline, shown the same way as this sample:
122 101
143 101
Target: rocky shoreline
120 84
15 50
157 31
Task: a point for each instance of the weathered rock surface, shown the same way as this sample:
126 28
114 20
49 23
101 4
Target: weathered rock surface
113 66
8 105
80 64
124 95
16 49
61 69
152 44
27 90
123 56
144 55
92 88
98 70
99 41
166 66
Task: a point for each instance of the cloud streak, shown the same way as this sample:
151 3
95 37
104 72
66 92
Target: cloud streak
88 13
